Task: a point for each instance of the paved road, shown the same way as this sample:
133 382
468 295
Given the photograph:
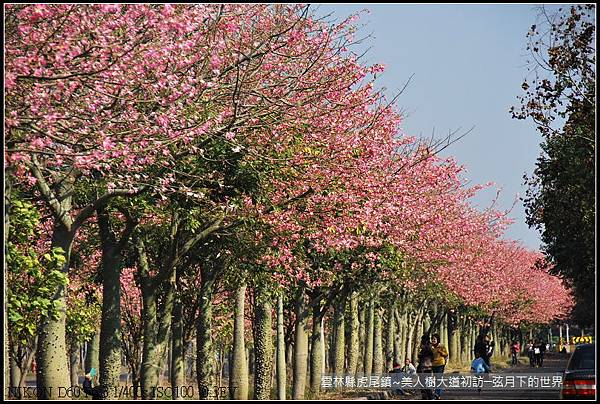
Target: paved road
553 363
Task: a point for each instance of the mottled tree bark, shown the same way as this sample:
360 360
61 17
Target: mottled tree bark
377 342
389 338
472 342
418 332
281 370
427 323
155 332
204 345
263 346
400 337
410 331
465 347
73 364
154 342
368 356
316 352
15 373
339 334
52 365
300 349
360 367
452 337
444 330
110 325
353 346
7 354
92 352
238 379
177 345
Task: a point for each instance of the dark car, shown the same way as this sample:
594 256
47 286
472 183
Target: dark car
579 381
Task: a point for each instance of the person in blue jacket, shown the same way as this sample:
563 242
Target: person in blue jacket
478 366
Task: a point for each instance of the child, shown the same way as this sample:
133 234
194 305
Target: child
478 366
409 368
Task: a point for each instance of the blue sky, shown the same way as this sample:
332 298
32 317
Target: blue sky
468 63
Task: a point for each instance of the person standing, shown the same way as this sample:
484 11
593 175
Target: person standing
543 348
425 365
440 353
537 353
489 350
479 348
515 349
530 353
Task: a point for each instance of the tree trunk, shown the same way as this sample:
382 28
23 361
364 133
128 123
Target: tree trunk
24 370
263 346
496 340
444 330
289 353
474 333
452 338
339 342
377 343
464 343
15 374
418 332
52 366
368 356
459 342
205 352
281 370
73 364
427 323
250 356
353 347
397 355
324 353
155 332
316 353
110 325
300 349
360 366
92 352
400 337
110 328
389 342
7 350
151 354
155 338
177 367
410 331
238 379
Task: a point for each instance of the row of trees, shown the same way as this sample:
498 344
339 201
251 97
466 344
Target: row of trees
171 164
560 97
